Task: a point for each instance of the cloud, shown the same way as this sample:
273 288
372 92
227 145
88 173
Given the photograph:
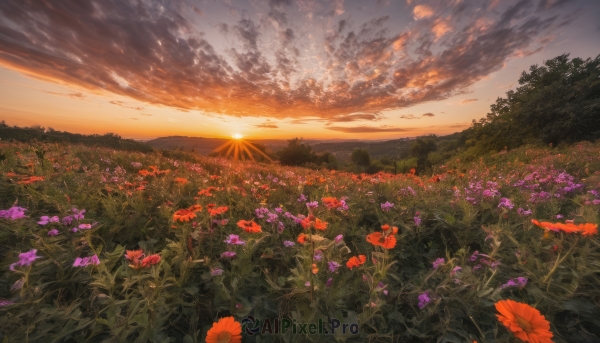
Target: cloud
412 116
293 61
409 116
266 126
366 129
75 95
422 11
122 104
466 101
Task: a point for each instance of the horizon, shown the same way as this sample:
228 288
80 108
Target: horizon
278 69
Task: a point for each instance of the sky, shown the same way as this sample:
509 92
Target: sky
335 69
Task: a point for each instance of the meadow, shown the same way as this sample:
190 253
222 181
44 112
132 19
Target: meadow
102 245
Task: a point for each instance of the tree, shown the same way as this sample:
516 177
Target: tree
421 148
361 157
555 103
296 153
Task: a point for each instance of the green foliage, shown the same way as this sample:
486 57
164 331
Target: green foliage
421 148
558 102
361 157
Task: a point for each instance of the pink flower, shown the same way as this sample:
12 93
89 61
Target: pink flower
25 259
53 232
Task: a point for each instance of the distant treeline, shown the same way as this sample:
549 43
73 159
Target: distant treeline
41 134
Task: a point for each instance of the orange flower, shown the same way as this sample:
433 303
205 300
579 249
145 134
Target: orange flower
314 268
195 208
226 330
217 211
356 261
331 203
302 238
249 226
312 221
30 179
180 180
150 260
587 229
183 215
385 227
525 322
134 256
379 239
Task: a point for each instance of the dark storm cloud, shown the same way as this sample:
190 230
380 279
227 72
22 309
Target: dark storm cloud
149 51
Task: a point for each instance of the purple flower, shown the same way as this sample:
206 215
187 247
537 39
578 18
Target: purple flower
261 212
44 220
477 267
67 220
312 205
280 227
77 214
25 259
307 284
333 266
424 299
338 239
279 210
86 261
6 303
13 213
417 221
18 284
53 232
329 282
271 217
234 239
438 262
386 206
523 212
518 282
559 216
302 198
228 254
318 256
474 257
216 271
84 226
505 202
455 270
288 244
522 281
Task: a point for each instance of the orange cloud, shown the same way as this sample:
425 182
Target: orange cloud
422 11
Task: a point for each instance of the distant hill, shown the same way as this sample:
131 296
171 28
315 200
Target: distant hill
394 149
204 146
37 133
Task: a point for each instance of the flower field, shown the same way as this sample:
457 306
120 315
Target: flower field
101 245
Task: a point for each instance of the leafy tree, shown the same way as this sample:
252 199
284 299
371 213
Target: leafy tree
296 153
421 148
361 157
558 102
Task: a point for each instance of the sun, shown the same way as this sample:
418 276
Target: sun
236 136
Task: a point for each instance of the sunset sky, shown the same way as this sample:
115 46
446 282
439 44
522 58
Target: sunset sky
343 69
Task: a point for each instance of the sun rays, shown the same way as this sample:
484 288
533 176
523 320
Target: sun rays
239 149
